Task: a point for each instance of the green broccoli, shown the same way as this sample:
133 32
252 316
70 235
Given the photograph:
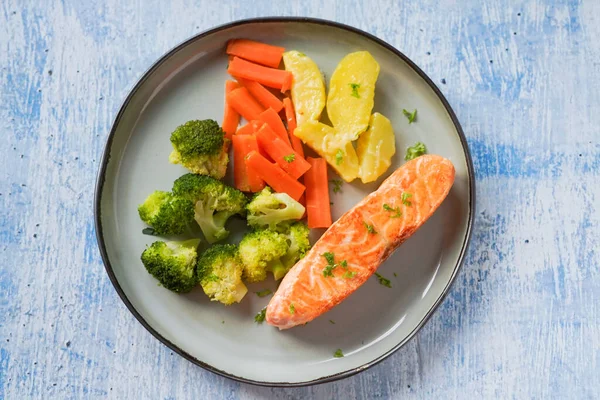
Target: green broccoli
260 252
273 210
166 213
173 264
201 147
266 250
214 202
219 271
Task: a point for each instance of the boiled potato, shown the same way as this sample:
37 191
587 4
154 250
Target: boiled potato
375 148
351 95
308 88
322 139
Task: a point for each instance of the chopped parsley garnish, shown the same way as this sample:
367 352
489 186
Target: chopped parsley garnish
383 281
339 157
410 115
263 293
395 275
331 265
415 151
355 87
260 317
222 322
292 308
349 274
337 185
370 228
396 210
301 54
331 203
149 231
290 157
332 321
338 353
405 197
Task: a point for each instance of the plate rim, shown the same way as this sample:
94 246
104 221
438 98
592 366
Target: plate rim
101 177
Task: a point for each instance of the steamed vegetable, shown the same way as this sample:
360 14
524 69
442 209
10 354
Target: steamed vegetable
274 176
257 52
219 272
231 118
166 213
173 264
200 146
270 77
214 203
318 207
375 148
273 210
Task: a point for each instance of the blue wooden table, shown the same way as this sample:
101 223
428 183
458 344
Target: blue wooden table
523 318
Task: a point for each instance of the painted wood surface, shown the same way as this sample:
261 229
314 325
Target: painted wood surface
523 318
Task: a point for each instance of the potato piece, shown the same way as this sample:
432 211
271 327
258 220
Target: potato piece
322 139
308 87
375 148
351 95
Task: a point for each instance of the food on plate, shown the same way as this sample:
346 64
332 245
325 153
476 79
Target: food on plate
273 121
201 147
173 264
290 116
257 52
273 175
352 95
275 251
318 208
231 118
219 272
281 152
262 94
349 253
242 101
166 213
244 179
323 139
411 116
214 203
415 151
270 77
273 210
308 87
375 148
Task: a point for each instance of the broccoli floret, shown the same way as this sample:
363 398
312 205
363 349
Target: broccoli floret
261 251
166 213
173 264
214 202
219 272
201 147
273 210
297 238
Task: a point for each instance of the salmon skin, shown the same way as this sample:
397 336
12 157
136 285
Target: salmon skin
352 249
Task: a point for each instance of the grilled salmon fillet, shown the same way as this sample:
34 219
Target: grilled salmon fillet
352 249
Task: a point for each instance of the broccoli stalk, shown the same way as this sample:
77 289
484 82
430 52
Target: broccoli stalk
267 250
214 203
166 213
219 272
273 210
173 264
201 147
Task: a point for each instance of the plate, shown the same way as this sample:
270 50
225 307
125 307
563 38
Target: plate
188 83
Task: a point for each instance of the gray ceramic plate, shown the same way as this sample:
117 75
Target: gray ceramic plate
187 83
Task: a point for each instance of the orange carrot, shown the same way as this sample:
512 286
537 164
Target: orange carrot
247 129
317 194
271 118
261 53
274 176
262 94
244 179
241 101
271 77
290 116
231 118
282 153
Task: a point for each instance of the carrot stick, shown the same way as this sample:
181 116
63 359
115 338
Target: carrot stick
317 194
271 118
247 129
244 179
241 101
274 176
231 118
262 94
271 77
290 116
282 153
261 53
